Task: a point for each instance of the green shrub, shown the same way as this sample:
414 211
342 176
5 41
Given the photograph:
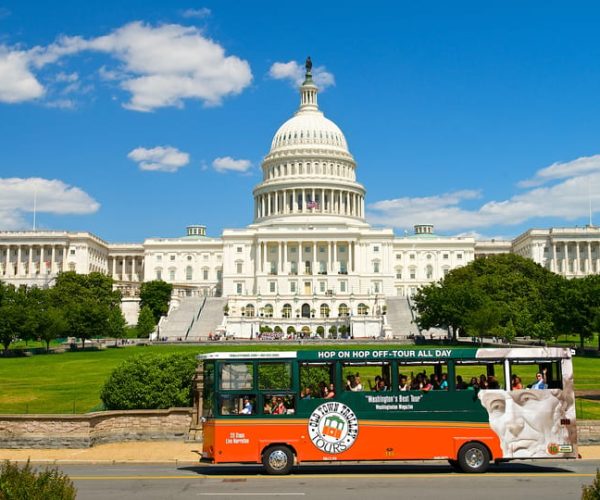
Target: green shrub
18 483
150 381
592 492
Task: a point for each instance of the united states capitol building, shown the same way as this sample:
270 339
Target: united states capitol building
309 261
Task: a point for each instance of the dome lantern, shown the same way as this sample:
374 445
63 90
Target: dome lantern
308 90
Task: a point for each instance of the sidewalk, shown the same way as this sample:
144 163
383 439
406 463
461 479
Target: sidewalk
148 452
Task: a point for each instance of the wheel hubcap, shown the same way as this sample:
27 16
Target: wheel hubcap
474 458
278 460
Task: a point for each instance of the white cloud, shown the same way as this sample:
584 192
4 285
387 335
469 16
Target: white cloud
159 159
200 13
17 82
228 164
159 66
294 73
566 200
67 77
51 195
580 166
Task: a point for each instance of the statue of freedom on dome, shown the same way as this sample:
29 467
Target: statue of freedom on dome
308 65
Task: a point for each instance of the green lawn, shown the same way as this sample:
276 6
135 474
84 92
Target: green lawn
71 382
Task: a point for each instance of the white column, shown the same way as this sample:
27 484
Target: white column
553 263
312 197
7 260
577 261
322 204
277 202
294 202
133 268
303 200
53 259
350 266
30 260
588 260
285 258
19 260
566 256
314 258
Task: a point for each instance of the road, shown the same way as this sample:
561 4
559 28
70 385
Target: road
529 480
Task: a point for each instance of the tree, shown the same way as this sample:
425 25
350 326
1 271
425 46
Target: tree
86 301
53 326
151 381
333 331
145 323
116 324
500 295
13 315
156 295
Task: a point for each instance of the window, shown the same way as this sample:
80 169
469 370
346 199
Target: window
238 288
445 256
479 375
239 267
171 274
428 256
376 287
423 376
376 267
459 256
398 256
171 257
205 256
286 312
188 273
159 274
324 310
205 274
238 249
399 273
343 310
268 311
189 257
306 249
342 249
343 286
321 249
376 248
273 268
413 273
234 404
275 376
363 310
249 311
294 268
292 287
412 256
317 379
429 272
236 376
359 377
72 251
272 286
159 258
322 286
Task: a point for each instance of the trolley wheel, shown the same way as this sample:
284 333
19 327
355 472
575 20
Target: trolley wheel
278 460
474 458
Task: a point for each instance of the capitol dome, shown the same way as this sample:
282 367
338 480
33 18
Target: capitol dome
309 174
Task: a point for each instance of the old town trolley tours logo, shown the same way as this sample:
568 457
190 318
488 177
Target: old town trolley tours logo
333 427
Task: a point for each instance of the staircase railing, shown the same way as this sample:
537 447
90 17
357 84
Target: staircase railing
194 318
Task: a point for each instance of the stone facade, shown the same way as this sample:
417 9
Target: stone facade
83 431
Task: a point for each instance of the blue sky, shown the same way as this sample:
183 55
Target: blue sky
132 119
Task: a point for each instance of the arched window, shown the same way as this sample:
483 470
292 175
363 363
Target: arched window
343 310
324 310
363 310
429 272
268 311
249 311
188 273
305 310
286 312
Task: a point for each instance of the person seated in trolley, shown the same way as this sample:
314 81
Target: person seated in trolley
247 408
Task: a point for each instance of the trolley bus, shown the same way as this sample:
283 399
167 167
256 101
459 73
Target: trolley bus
464 405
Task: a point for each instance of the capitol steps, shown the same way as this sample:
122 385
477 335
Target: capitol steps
178 321
399 317
209 319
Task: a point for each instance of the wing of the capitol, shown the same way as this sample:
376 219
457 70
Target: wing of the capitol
308 262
